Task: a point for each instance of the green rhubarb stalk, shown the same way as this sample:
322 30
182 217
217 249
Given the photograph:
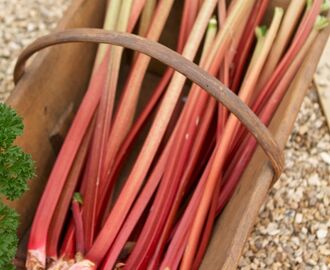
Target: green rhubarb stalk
126 109
146 17
145 21
135 14
260 33
289 24
111 17
304 29
265 41
104 115
325 6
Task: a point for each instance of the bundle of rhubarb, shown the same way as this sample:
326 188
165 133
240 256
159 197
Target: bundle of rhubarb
112 202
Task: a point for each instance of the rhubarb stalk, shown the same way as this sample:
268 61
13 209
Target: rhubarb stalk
126 110
290 20
95 165
141 166
244 154
221 152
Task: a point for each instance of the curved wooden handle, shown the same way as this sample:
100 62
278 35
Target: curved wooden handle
171 58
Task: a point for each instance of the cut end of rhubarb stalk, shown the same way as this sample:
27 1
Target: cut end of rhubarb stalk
35 260
83 265
61 265
119 266
213 23
79 257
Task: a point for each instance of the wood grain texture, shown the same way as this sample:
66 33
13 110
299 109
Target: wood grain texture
324 96
323 85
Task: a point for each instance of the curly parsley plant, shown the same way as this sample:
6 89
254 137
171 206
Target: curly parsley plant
16 167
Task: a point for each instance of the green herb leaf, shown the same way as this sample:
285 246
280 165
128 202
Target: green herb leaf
77 197
16 167
8 237
11 126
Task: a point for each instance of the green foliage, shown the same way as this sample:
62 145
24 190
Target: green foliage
78 198
8 237
11 126
16 168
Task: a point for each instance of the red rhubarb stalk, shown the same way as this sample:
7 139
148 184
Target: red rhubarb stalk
299 39
222 150
136 212
149 149
137 209
246 43
186 180
47 205
224 70
62 207
78 223
135 14
197 102
290 21
126 110
258 59
131 138
95 164
177 245
244 154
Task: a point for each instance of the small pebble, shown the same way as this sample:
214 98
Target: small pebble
325 157
321 233
298 218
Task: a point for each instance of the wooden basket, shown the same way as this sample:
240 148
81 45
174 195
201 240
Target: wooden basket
47 101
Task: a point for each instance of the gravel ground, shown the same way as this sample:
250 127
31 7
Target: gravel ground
21 21
292 231
293 227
